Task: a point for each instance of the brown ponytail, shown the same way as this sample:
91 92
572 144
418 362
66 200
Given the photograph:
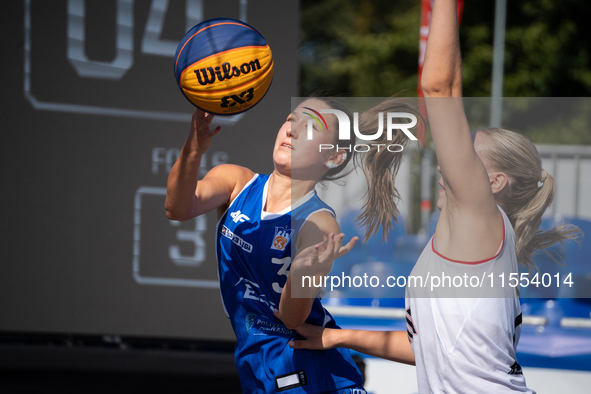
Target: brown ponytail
380 167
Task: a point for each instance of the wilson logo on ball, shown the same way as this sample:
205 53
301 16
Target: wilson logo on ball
209 76
223 66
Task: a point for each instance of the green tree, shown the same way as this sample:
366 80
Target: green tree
547 48
359 48
370 47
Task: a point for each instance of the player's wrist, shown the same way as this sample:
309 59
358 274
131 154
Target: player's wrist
336 337
193 151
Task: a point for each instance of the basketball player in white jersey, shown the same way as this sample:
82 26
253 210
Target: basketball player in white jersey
493 194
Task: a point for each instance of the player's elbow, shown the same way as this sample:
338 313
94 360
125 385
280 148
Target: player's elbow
171 215
437 86
292 321
175 214
292 324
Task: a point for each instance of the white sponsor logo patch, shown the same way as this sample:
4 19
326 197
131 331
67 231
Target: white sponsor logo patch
236 239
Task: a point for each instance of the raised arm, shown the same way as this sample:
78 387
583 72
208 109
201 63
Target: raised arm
469 211
389 345
186 196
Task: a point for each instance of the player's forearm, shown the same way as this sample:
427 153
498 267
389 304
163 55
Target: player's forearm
295 306
442 70
182 182
389 345
442 86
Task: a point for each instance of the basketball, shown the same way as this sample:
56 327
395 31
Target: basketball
223 66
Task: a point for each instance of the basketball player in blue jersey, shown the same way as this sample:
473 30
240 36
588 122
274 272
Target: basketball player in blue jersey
264 219
494 193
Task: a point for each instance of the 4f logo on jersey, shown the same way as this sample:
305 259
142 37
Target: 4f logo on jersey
281 238
239 217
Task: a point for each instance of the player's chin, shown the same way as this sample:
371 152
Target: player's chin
440 201
283 166
281 159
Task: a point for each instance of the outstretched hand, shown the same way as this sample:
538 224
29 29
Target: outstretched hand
318 259
317 338
200 123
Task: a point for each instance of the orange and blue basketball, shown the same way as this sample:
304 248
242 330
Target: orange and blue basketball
223 66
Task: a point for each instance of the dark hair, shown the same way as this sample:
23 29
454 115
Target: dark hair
379 166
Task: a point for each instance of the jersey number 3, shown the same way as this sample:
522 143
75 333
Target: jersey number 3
284 270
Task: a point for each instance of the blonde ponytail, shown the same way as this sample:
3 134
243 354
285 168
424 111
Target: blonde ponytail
531 191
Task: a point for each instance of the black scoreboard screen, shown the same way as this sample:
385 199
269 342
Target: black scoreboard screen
92 122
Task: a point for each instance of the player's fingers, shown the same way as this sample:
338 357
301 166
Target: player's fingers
316 253
215 131
330 245
308 330
195 119
347 248
337 240
208 118
319 247
324 244
198 114
203 124
313 335
299 344
338 243
277 314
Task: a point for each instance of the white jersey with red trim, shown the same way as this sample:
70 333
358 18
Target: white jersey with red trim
464 335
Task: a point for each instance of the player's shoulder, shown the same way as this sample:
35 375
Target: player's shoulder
234 171
235 175
322 220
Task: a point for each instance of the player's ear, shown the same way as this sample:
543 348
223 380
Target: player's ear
498 181
337 159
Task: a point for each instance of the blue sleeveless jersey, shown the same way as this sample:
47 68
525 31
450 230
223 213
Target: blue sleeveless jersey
254 256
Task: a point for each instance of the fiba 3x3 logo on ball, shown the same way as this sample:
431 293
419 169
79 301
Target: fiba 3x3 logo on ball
223 66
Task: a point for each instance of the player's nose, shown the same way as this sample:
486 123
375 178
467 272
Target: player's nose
293 132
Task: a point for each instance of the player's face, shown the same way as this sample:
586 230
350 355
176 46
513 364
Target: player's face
296 154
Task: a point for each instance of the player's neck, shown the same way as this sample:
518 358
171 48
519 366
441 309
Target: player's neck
282 190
